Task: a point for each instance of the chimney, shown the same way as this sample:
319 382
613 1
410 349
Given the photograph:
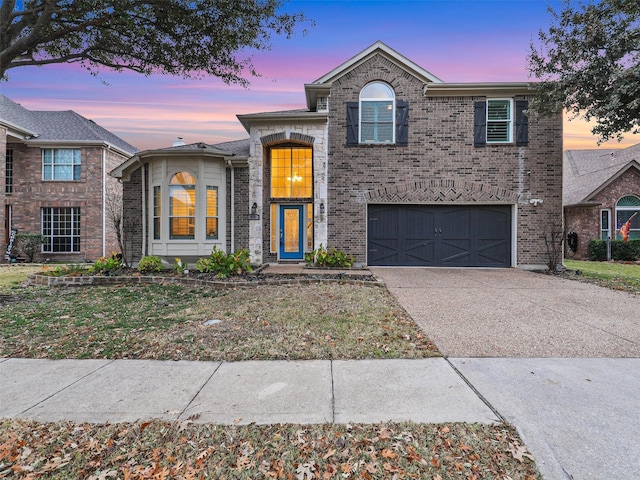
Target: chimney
178 142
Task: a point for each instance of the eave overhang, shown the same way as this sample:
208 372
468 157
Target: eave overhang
493 89
275 118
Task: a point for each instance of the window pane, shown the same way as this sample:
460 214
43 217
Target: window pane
291 172
156 212
61 164
498 109
498 132
182 207
61 229
377 90
212 213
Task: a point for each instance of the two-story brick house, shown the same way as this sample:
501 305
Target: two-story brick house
386 162
55 170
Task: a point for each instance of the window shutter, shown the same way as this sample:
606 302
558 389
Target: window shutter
480 124
522 122
352 123
402 122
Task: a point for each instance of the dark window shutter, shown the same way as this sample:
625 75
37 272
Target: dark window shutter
480 124
402 122
352 123
522 122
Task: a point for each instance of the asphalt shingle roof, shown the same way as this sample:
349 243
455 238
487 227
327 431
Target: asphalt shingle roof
587 170
59 125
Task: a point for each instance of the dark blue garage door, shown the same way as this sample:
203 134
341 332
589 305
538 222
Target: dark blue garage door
439 236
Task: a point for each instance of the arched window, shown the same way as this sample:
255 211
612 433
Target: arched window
182 206
377 113
626 207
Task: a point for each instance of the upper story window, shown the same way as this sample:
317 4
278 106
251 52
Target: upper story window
291 172
377 113
500 120
378 117
8 171
61 164
182 206
628 207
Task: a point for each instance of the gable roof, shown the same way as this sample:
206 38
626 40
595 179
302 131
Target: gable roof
322 85
57 127
378 48
587 172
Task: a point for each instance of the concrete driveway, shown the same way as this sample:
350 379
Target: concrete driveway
512 313
556 358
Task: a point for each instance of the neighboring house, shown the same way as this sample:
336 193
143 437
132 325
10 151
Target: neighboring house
56 182
601 192
387 162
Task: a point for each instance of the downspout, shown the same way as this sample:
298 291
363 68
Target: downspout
104 200
144 209
233 203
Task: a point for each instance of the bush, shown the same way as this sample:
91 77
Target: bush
621 251
29 244
223 265
328 258
107 266
150 264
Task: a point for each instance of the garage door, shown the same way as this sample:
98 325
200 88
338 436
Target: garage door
439 236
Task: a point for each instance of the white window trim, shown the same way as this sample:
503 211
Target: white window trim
608 229
362 99
625 209
510 121
72 165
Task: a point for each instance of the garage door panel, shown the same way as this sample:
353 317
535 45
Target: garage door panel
419 252
440 235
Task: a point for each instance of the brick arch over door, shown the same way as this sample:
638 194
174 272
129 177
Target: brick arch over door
441 191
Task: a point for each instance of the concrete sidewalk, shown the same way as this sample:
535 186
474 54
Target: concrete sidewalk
315 391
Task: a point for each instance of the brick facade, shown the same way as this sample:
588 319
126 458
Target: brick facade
440 153
585 220
30 194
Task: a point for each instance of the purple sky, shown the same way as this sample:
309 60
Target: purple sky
456 40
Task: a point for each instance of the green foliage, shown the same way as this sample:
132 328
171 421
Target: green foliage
180 267
106 266
621 251
67 271
328 258
588 64
223 265
150 264
29 244
189 38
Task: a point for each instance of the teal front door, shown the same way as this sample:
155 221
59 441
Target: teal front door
291 232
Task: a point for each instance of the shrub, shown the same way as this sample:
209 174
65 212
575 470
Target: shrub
29 244
328 258
107 266
66 271
223 265
623 251
150 264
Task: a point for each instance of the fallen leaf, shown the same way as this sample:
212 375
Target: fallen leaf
388 453
519 452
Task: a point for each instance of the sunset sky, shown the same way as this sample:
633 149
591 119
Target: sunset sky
456 40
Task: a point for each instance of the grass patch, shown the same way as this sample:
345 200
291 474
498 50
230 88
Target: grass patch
618 276
318 321
11 276
187 450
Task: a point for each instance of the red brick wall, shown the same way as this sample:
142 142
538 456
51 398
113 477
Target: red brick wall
585 221
440 148
31 193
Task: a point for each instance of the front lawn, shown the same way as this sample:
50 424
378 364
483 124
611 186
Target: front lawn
615 275
317 321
